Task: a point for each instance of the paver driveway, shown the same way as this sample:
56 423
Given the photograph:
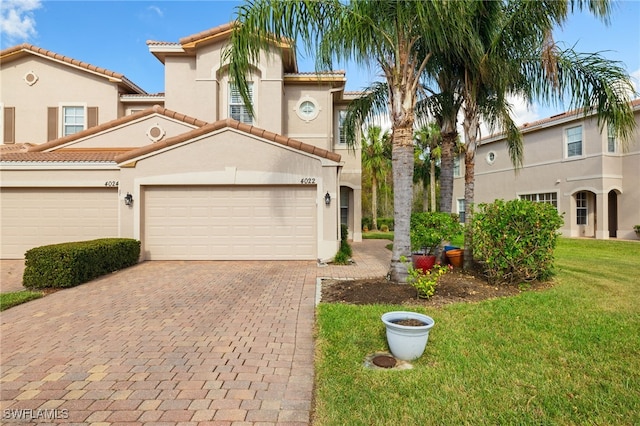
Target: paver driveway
171 343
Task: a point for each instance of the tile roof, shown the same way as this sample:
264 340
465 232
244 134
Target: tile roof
15 52
549 121
212 32
156 109
15 147
189 44
232 124
62 156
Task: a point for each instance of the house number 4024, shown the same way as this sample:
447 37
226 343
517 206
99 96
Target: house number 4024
308 180
111 183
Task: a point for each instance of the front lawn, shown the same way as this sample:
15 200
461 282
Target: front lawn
568 355
8 300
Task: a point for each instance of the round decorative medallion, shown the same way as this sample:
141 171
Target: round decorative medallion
30 78
155 133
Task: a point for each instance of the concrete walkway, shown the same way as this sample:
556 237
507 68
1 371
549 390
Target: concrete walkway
172 343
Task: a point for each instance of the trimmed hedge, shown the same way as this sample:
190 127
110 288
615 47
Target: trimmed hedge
70 264
514 240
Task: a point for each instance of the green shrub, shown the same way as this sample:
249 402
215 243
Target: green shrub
366 222
514 240
426 282
384 228
385 221
429 229
345 252
69 264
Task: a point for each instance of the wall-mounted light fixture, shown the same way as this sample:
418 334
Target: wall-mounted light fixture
327 198
128 199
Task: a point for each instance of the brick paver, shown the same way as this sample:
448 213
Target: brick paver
171 343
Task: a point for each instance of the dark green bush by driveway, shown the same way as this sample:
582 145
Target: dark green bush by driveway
69 264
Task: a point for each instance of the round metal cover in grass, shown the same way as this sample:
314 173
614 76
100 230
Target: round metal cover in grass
384 361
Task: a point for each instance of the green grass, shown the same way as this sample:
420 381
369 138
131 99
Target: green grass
565 356
377 235
9 300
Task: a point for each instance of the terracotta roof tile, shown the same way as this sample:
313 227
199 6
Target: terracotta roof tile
15 147
15 51
118 122
228 123
62 156
208 33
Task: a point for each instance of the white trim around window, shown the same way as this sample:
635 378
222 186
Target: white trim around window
72 118
542 197
611 140
573 142
237 109
341 140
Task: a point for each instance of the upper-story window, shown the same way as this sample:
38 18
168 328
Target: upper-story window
342 137
456 166
574 141
611 139
237 109
73 120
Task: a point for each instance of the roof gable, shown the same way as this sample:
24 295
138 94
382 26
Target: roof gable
20 51
227 124
57 143
187 46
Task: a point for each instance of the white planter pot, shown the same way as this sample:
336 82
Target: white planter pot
407 342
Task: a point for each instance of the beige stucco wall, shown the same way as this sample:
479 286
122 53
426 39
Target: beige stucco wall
57 84
546 169
221 159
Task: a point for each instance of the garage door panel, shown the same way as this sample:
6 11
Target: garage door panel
33 217
230 223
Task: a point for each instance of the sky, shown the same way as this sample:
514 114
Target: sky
113 35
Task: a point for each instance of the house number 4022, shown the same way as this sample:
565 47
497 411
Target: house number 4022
308 180
111 183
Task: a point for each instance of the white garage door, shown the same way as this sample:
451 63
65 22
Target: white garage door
33 217
230 223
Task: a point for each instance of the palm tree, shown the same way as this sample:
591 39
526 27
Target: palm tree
396 37
376 163
428 146
508 58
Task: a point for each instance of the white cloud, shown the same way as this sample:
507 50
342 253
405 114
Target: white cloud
17 22
157 10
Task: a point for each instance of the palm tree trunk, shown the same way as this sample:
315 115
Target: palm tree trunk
374 203
471 129
432 185
449 139
402 166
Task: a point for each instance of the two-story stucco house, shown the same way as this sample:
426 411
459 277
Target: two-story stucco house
570 163
87 153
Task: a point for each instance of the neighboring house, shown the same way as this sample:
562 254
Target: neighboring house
571 164
87 154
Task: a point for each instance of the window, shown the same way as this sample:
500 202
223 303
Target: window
611 139
344 206
342 137
491 157
546 197
307 109
461 209
574 141
73 120
456 166
237 110
581 208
